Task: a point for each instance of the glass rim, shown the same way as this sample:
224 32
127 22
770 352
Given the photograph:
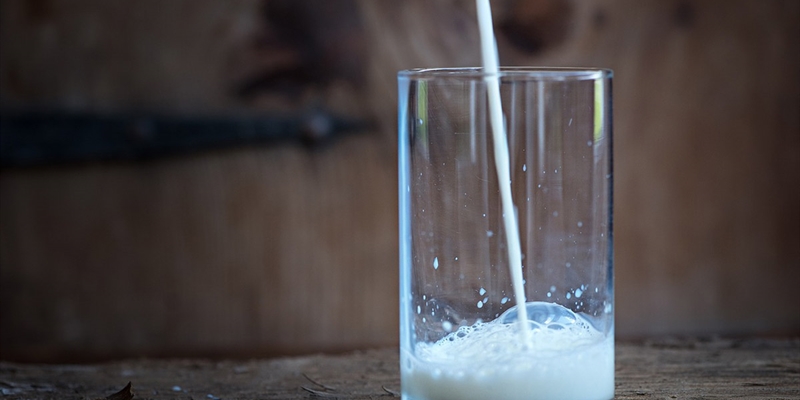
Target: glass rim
539 73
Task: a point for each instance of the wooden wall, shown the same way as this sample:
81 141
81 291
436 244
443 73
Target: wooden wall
286 249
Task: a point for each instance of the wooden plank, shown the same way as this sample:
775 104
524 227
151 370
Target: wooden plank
663 369
709 369
280 250
258 252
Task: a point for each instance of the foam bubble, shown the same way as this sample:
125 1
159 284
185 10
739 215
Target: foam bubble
447 326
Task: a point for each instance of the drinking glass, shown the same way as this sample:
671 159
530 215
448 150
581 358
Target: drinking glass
460 334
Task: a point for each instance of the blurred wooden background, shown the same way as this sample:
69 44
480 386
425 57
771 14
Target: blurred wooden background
285 249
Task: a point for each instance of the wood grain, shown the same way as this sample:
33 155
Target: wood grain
285 250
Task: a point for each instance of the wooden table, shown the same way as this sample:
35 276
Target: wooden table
657 369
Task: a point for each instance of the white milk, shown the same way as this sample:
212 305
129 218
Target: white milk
566 358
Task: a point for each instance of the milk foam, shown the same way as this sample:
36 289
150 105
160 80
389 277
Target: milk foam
566 358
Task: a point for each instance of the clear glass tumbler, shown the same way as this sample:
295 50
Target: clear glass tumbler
461 335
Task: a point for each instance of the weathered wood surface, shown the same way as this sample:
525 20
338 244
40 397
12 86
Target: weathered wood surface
663 369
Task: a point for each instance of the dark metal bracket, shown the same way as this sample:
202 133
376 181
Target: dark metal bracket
35 138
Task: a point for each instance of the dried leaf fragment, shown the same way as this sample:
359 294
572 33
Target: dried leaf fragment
124 394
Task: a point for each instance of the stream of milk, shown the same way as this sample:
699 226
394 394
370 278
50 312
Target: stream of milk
491 69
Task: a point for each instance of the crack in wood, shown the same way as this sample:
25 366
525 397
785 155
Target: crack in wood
326 387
